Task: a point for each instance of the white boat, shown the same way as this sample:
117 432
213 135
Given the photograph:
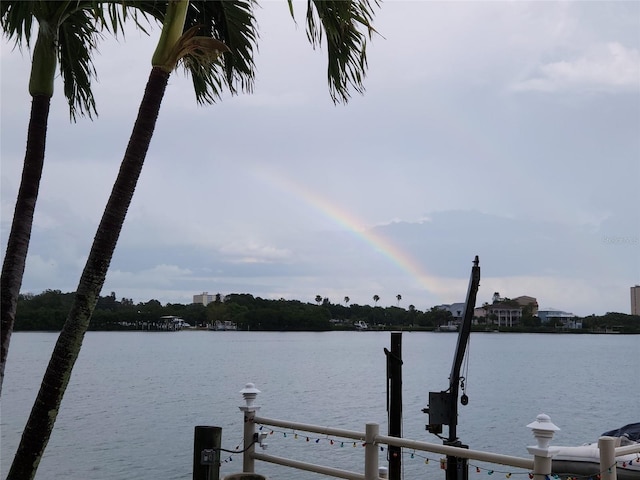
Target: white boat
360 325
227 325
449 327
584 460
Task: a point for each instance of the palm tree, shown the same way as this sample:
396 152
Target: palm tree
67 34
233 23
346 300
199 49
318 299
376 298
399 297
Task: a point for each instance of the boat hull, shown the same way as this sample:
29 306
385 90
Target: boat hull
585 461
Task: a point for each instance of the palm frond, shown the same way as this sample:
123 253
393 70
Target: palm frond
77 39
232 23
346 24
76 28
16 20
114 14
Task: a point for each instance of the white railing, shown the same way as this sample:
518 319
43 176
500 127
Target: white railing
608 454
540 464
372 441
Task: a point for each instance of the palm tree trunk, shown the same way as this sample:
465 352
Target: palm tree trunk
18 242
56 378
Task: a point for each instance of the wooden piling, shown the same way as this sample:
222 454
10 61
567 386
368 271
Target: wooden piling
206 452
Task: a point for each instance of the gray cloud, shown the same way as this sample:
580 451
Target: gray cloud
507 130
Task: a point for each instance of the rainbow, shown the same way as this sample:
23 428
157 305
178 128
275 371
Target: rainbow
339 215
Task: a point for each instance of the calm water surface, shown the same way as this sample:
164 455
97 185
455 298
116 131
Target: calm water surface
135 397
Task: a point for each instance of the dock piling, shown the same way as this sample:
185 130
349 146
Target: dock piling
206 452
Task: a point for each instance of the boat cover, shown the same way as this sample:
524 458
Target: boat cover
631 431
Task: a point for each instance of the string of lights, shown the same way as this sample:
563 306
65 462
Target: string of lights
442 461
236 451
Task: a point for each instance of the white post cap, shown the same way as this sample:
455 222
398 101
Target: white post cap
542 430
249 393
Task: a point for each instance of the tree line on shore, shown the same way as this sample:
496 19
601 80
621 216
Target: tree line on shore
47 312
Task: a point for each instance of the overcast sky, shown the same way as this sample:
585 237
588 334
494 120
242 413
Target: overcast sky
507 130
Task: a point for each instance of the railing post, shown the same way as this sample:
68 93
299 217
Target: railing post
371 451
543 430
607 447
249 393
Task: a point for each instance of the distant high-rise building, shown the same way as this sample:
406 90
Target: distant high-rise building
205 299
635 300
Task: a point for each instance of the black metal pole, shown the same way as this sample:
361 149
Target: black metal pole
394 377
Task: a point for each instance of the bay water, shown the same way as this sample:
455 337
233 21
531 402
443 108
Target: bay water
135 397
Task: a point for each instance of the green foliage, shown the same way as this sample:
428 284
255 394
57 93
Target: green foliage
612 322
47 311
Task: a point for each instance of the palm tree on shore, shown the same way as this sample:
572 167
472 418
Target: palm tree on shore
230 26
398 297
346 300
318 299
67 36
200 49
376 298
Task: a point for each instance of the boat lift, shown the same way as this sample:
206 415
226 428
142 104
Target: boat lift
443 406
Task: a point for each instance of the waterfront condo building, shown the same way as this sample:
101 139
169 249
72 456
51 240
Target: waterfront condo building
635 300
205 299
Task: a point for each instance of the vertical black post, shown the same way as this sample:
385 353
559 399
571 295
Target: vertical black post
394 377
206 453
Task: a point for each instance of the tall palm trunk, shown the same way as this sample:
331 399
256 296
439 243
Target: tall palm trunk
45 409
41 78
18 241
